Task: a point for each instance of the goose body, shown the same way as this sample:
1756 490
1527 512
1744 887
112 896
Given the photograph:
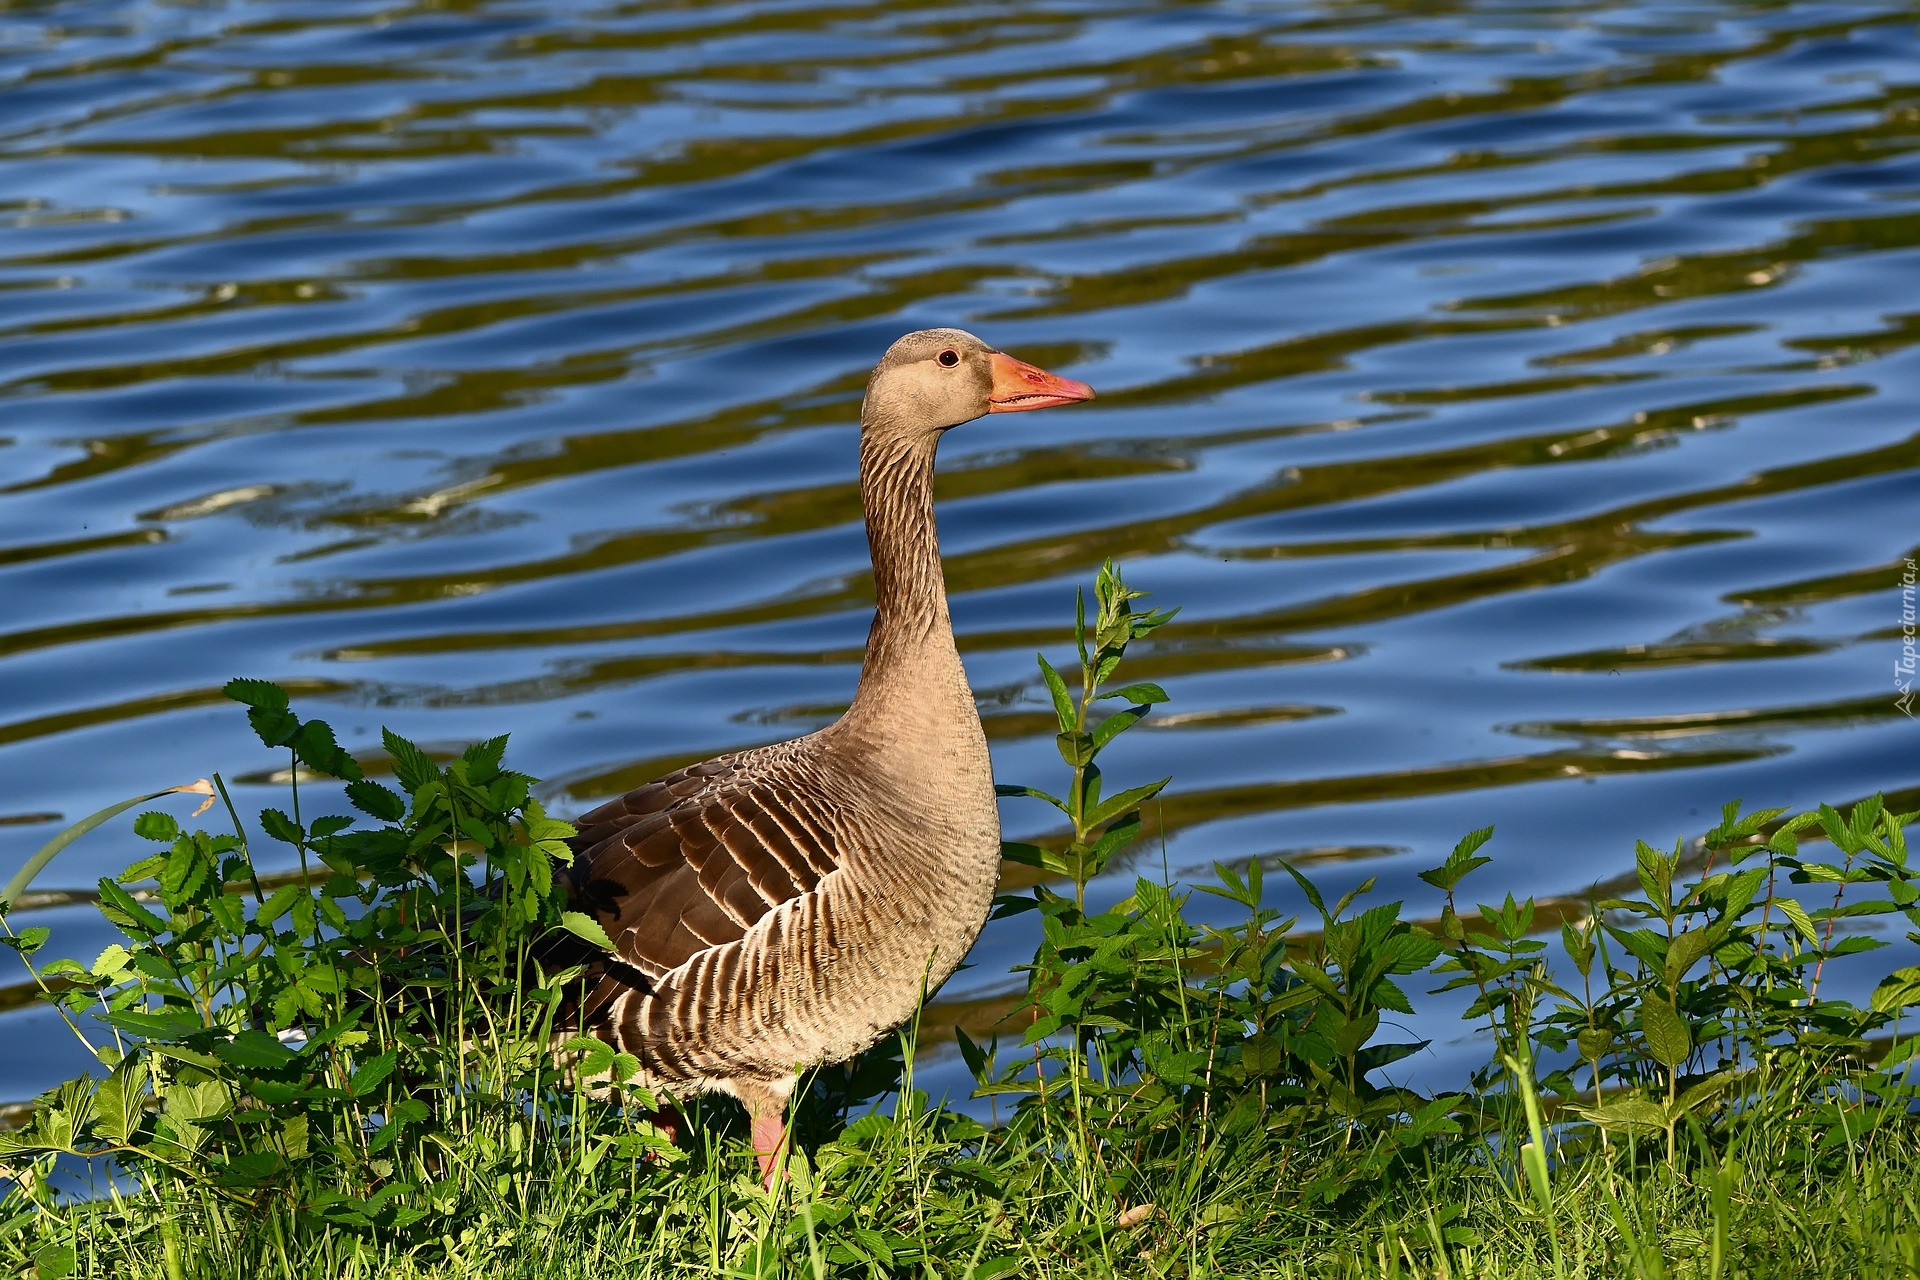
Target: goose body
786 906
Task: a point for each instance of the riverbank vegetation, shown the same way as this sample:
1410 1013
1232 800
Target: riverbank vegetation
346 1071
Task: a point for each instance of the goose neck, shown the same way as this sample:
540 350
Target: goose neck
910 594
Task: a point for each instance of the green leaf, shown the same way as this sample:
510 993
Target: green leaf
1898 990
1115 838
1307 887
281 827
411 765
112 962
1026 855
1801 921
248 1169
1595 1042
582 925
369 1074
257 693
1032 793
1460 862
483 760
120 1102
279 902
1133 798
1062 700
54 1262
119 906
1145 694
972 1054
1685 951
1628 1115
1656 875
154 1026
1075 748
594 1056
275 727
1116 724
154 825
315 746
1668 1037
376 801
253 1049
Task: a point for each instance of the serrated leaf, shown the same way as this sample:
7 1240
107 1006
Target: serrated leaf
256 693
594 1056
1629 1115
29 941
483 760
1797 914
582 925
314 744
274 726
411 765
154 825
112 962
369 1074
1898 990
119 906
376 801
1669 1039
279 902
281 827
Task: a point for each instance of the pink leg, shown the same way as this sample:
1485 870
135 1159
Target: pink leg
769 1142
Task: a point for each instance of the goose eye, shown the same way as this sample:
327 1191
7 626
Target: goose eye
948 358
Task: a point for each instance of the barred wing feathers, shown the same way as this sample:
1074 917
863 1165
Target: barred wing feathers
692 861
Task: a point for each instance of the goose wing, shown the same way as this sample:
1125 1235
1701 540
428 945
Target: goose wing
691 861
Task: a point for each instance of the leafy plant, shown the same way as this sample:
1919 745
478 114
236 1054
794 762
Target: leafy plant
278 1047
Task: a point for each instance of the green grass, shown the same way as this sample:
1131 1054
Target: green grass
915 1191
1669 1093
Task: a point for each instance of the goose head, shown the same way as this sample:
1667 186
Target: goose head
935 379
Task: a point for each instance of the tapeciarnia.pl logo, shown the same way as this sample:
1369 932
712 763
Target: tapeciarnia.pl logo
1904 664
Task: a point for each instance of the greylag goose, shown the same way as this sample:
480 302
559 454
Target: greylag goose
787 906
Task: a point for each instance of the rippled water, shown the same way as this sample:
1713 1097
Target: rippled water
1520 398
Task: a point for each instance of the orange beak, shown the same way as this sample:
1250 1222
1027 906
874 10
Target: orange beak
1018 385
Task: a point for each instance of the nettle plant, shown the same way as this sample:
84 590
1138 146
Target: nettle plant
1700 1001
1698 1004
1153 1025
342 1040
